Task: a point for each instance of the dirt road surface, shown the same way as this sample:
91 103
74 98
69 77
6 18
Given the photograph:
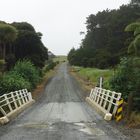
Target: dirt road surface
60 114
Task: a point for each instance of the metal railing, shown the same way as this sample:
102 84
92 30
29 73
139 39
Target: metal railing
106 99
13 100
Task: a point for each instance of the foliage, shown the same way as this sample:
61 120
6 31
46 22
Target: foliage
2 64
29 45
8 34
23 26
105 41
28 71
26 44
134 47
12 81
10 61
93 74
135 1
50 65
23 75
127 78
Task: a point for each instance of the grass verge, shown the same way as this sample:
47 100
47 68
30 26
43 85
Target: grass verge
92 75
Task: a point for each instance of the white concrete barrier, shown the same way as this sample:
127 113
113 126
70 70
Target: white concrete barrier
13 103
104 101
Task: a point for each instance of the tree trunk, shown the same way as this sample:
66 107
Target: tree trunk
10 49
1 51
130 105
4 51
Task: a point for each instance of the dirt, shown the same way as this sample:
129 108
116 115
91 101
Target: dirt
61 113
39 90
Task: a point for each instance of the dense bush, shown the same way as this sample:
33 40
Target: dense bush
11 82
127 78
28 71
50 65
23 75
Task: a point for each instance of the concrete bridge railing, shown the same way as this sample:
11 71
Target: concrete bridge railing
13 103
104 101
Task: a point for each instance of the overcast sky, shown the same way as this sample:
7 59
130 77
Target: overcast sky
60 21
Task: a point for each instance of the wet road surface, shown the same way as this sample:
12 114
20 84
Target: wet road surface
60 114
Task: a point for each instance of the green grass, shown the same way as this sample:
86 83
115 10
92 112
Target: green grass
93 74
60 58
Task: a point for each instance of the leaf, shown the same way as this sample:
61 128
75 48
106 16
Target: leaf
131 48
137 41
137 31
132 27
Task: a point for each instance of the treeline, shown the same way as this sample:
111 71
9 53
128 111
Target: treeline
19 41
105 41
23 57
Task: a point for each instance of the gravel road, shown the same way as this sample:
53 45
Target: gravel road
60 114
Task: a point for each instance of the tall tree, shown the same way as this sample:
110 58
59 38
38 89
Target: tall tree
105 41
29 45
8 34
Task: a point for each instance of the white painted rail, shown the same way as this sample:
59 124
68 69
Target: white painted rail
104 100
13 101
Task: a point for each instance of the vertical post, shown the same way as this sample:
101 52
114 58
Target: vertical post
99 95
116 101
94 91
2 111
8 103
14 100
25 95
30 96
101 82
22 96
106 99
91 93
96 94
111 101
130 105
18 98
101 101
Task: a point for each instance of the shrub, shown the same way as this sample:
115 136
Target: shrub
28 71
50 65
11 82
127 78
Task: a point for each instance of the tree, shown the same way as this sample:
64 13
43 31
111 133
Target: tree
23 26
134 47
29 45
105 41
135 1
8 34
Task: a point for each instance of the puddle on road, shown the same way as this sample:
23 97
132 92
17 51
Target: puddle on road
90 129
